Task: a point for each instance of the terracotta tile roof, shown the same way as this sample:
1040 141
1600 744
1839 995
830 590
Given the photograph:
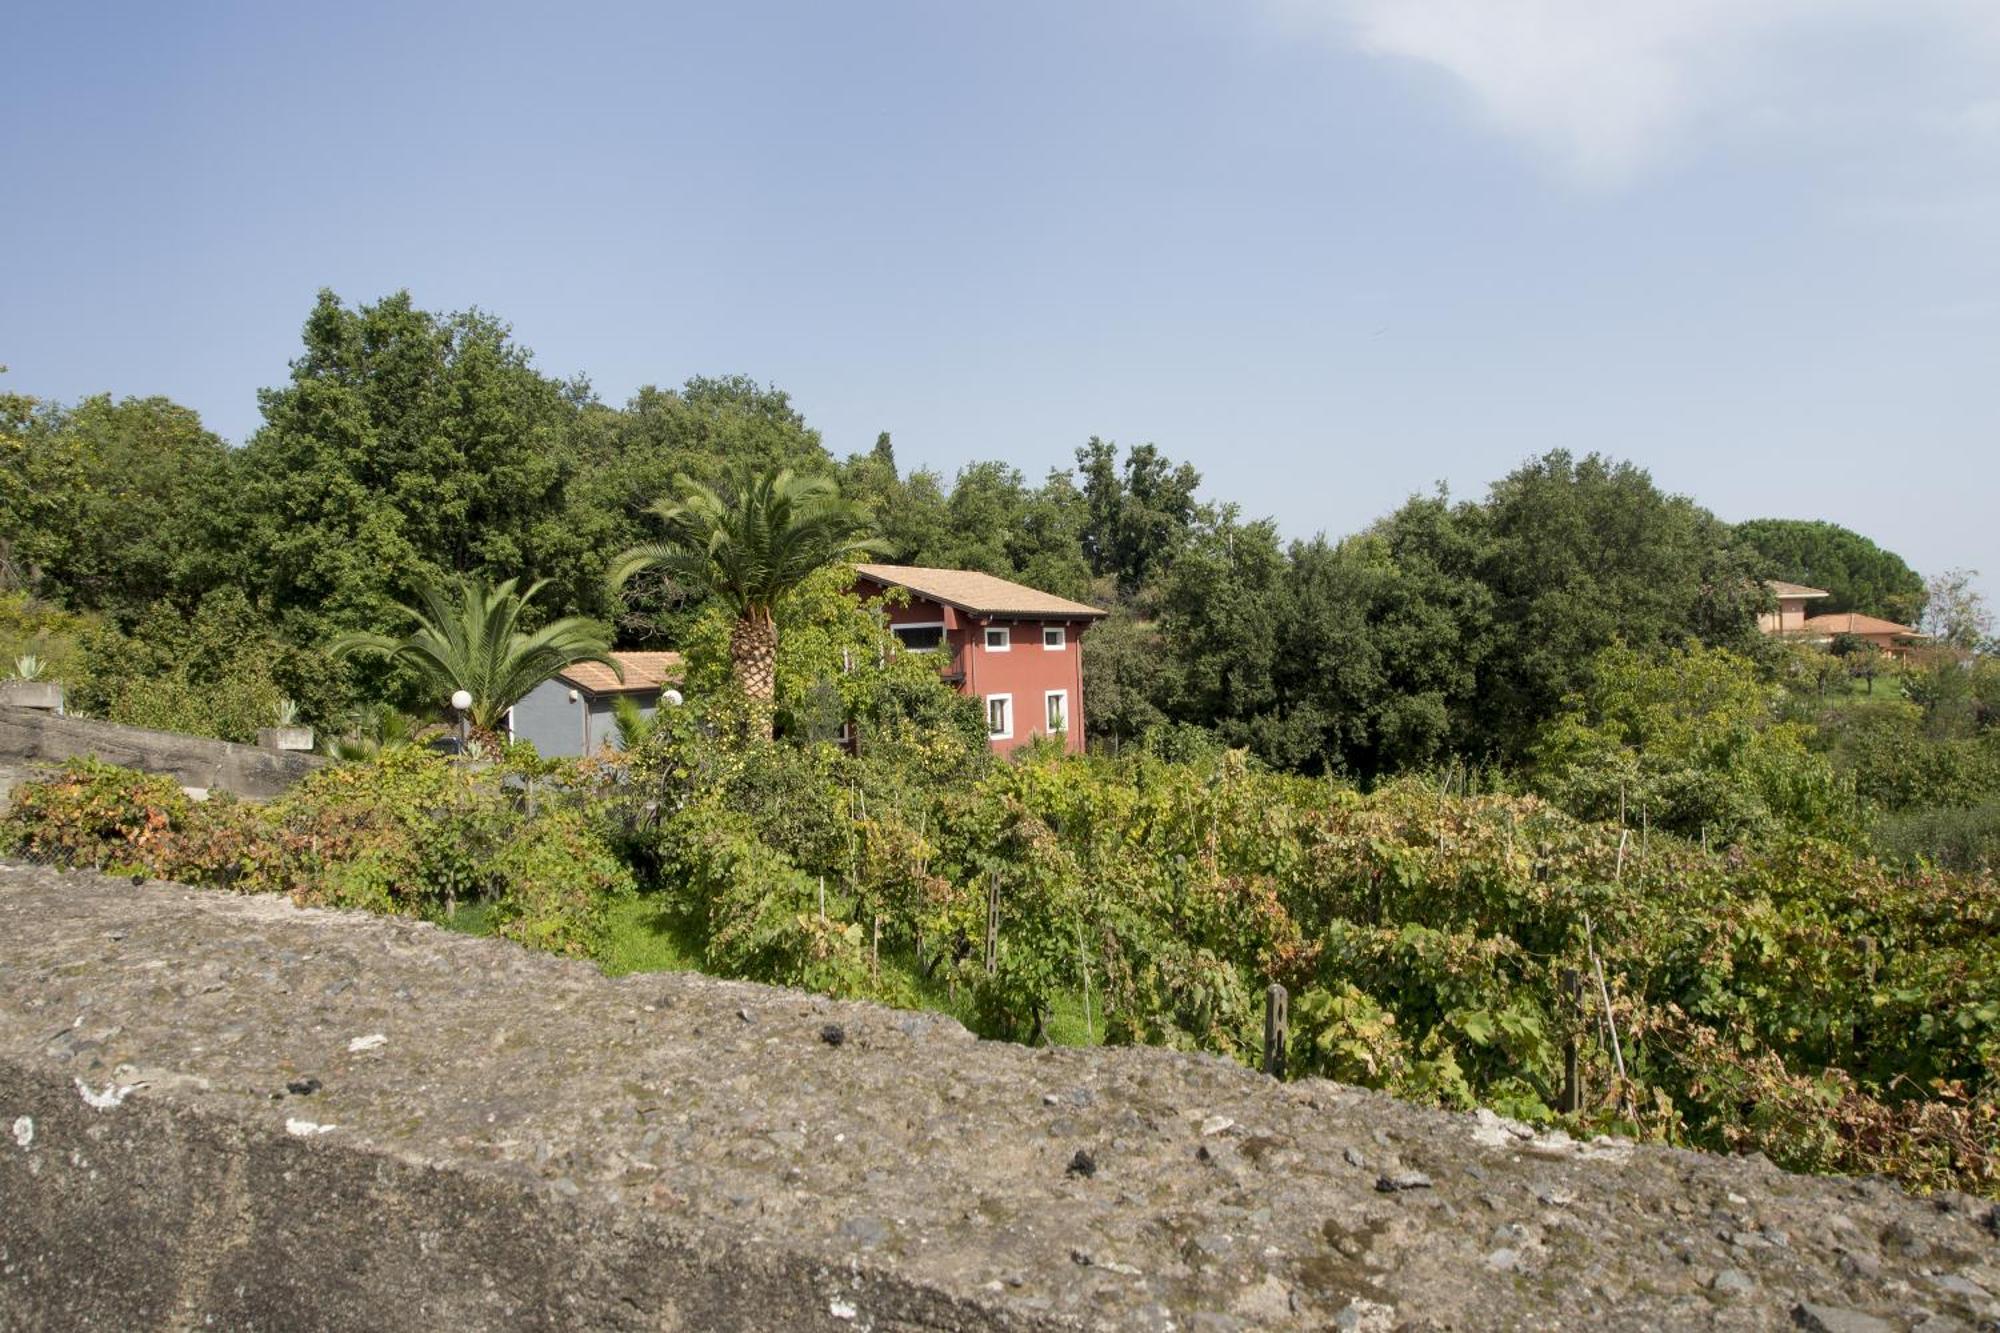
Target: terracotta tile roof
981 594
643 671
1780 588
1853 622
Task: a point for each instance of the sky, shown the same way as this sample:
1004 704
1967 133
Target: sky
1332 252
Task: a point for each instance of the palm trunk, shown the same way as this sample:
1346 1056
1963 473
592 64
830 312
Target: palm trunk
753 654
753 659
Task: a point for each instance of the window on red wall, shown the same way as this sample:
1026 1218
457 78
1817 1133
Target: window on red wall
920 638
1000 716
998 639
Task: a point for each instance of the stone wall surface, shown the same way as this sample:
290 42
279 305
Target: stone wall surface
221 1111
192 761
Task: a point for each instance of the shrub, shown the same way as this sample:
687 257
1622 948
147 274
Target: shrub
91 813
410 834
557 880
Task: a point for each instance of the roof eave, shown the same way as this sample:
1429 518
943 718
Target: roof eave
1078 613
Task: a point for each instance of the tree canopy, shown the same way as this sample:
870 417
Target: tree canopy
1857 574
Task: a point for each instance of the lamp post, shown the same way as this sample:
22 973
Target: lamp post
461 700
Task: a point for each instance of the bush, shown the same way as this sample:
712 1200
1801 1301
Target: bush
1961 838
95 814
410 834
557 880
217 672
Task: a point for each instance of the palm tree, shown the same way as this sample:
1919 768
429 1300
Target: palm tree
468 638
771 533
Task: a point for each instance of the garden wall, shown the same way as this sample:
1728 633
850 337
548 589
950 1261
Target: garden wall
224 1111
192 761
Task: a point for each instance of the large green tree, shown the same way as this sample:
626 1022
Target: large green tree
407 448
1581 552
1859 575
111 505
1138 515
747 546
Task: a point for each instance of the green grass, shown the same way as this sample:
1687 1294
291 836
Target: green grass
643 937
471 919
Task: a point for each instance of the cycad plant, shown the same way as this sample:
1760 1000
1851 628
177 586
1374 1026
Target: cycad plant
749 548
634 727
370 730
468 637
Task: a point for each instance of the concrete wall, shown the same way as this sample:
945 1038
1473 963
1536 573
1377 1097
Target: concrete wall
222 1111
193 761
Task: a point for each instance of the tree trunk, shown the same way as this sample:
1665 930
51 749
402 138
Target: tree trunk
753 654
753 660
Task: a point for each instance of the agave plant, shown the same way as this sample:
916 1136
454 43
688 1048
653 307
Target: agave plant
468 637
28 667
287 712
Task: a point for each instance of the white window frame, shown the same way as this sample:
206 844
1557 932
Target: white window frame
1049 695
944 640
1061 633
1006 702
1006 643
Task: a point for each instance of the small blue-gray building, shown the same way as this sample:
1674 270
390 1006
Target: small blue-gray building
569 714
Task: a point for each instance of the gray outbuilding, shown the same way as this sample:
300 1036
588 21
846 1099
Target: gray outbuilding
569 714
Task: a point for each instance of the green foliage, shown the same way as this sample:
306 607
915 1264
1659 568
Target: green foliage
94 814
110 505
32 627
1137 516
1857 574
559 882
409 834
407 448
218 671
1688 741
1579 553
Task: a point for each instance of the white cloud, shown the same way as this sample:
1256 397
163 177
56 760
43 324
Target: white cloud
1606 88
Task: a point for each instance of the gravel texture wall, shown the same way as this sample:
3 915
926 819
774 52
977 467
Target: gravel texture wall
226 1112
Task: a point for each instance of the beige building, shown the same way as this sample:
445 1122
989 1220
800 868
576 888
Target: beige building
1791 615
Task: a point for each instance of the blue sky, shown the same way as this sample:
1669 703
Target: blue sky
1330 251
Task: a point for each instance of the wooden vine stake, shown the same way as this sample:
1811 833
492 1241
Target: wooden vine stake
1572 1089
1083 961
1604 995
1277 1029
993 923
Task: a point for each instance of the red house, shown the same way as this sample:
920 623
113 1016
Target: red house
1012 646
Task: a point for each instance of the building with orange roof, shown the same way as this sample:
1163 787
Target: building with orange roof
571 713
1014 648
1887 635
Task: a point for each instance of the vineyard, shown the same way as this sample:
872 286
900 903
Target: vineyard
1449 946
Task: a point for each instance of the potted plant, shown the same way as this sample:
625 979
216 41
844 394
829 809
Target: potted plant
25 688
288 734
